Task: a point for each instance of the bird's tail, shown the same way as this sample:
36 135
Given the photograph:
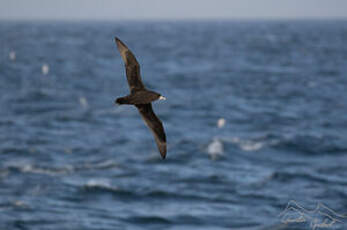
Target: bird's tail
122 100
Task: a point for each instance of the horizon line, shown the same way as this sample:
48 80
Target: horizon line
312 18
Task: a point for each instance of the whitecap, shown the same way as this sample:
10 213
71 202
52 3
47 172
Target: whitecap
215 149
12 56
29 168
100 165
99 182
251 146
247 145
220 122
19 203
83 102
45 69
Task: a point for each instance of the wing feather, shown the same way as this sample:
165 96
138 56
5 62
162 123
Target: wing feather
155 126
132 67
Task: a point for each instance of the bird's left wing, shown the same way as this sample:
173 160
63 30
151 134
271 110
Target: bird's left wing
155 125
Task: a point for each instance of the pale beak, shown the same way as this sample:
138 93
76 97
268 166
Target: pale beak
162 98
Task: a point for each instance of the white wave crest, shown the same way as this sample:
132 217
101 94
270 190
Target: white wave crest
220 122
99 182
248 145
215 149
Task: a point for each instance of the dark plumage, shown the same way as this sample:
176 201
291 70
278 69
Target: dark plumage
141 97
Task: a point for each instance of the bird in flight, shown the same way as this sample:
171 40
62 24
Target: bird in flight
141 97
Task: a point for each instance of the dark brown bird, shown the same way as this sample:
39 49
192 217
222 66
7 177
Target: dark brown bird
141 97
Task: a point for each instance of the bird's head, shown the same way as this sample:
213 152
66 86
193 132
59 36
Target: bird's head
162 97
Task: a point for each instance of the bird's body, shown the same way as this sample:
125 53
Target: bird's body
141 97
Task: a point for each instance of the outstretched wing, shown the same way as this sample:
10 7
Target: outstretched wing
155 125
131 65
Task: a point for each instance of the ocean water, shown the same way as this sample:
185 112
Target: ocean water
71 159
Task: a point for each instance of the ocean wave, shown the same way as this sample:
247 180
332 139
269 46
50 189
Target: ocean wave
30 168
15 204
62 170
101 183
35 95
148 220
215 149
247 145
105 164
104 186
311 144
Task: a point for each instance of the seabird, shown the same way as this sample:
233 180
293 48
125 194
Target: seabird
141 97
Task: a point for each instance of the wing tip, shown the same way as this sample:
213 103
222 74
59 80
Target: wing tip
118 41
121 46
163 155
162 151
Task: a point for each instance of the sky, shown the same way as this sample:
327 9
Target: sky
170 9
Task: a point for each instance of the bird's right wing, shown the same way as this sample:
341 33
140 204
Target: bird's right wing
155 125
131 65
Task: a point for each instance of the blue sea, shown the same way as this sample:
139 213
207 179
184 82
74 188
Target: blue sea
255 118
